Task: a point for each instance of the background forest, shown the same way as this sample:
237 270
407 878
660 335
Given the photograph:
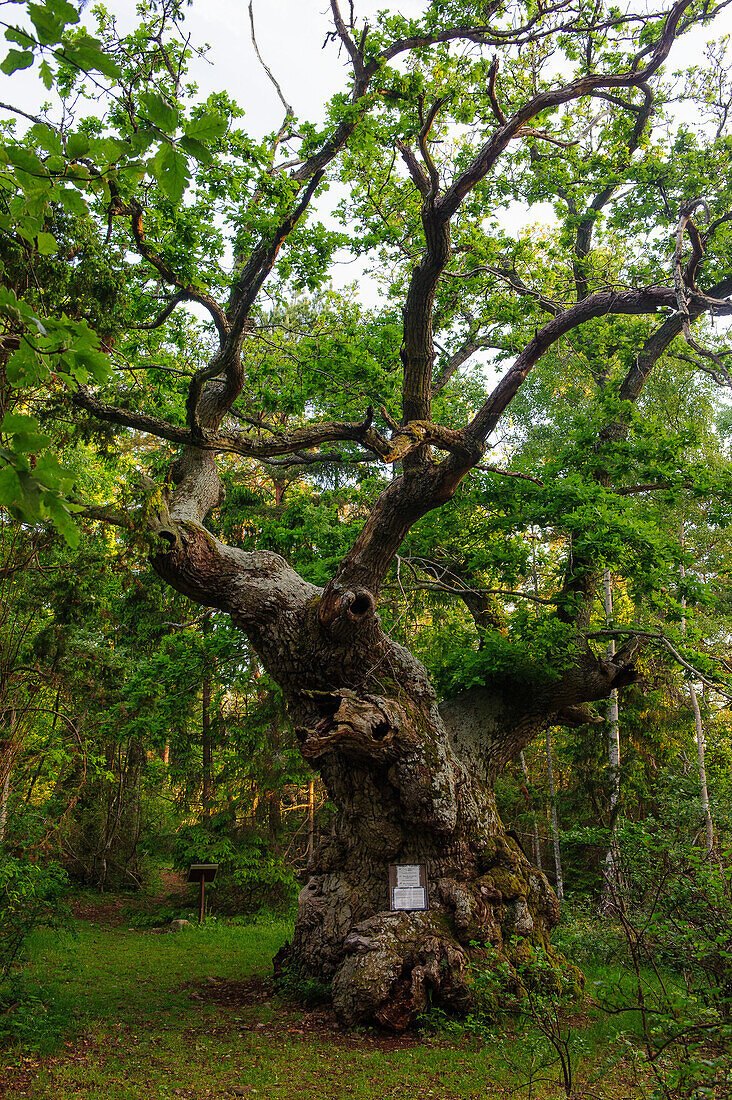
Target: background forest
139 731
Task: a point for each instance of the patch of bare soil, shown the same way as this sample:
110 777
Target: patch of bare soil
18 1077
290 1018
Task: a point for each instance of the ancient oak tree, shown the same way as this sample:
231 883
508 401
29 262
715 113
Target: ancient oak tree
448 124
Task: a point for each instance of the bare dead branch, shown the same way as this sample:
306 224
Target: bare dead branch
427 124
516 283
354 52
461 593
510 473
289 113
651 636
684 280
24 114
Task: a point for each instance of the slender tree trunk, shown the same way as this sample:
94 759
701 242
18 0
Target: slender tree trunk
274 816
137 802
114 810
4 796
41 762
699 733
610 866
311 820
206 747
207 778
535 825
553 813
6 767
700 748
274 796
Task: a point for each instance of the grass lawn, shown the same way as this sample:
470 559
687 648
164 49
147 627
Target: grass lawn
133 1014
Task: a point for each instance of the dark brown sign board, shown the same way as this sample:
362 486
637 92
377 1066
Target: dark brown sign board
408 886
202 872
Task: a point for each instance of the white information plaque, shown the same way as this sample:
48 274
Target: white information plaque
409 897
408 886
408 875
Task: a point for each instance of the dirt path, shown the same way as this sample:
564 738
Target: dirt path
115 909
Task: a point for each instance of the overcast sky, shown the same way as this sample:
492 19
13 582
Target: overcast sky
291 36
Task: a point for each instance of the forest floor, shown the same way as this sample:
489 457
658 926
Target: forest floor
116 1011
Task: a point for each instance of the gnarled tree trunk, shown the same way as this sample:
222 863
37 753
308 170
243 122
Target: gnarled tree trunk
414 785
413 782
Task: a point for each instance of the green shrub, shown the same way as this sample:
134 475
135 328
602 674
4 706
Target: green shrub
537 990
31 894
527 974
306 990
673 906
585 940
251 876
29 1015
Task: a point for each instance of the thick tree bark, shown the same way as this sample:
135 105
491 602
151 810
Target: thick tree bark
413 781
559 878
413 785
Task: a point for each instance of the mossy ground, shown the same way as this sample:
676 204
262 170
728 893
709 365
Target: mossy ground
134 1014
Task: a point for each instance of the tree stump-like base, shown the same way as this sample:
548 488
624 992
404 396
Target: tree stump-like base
388 967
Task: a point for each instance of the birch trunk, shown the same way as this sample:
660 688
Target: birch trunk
610 866
311 820
4 797
700 751
7 747
699 734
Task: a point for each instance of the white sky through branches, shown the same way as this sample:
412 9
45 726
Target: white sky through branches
292 35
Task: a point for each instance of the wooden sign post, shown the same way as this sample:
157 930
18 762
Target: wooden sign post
203 873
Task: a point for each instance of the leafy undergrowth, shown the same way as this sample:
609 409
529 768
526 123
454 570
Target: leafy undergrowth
119 1013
